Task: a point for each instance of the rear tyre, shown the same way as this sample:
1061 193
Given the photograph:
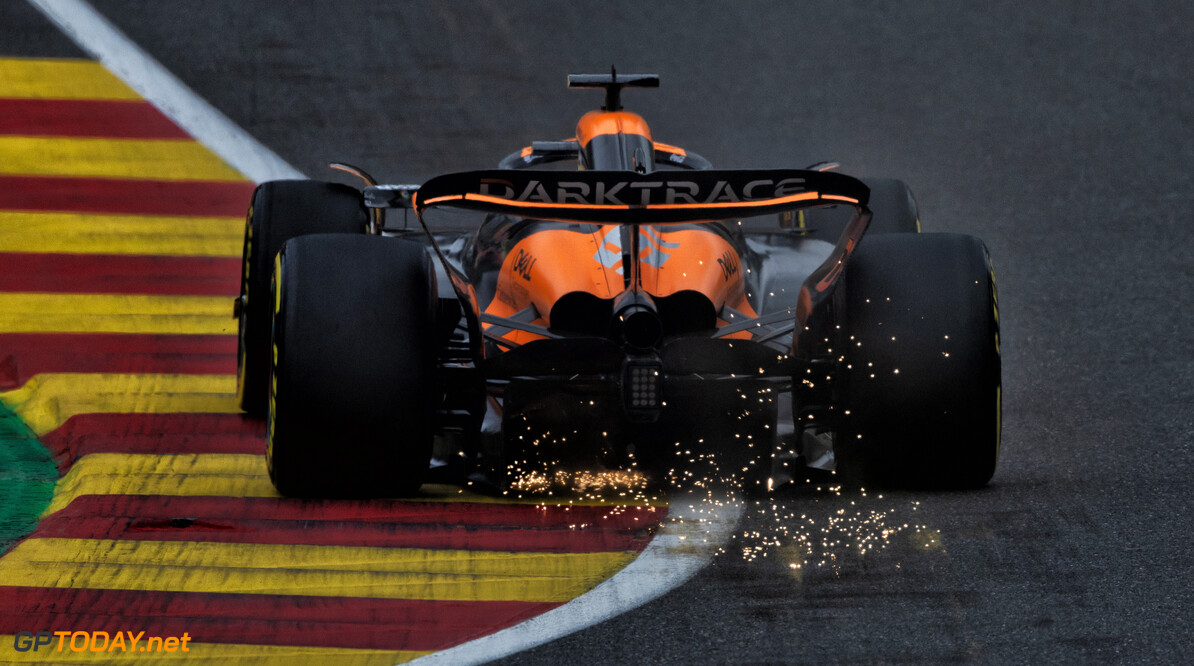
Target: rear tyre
892 205
920 386
354 383
281 210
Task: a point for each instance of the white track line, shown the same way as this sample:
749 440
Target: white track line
687 541
691 536
95 35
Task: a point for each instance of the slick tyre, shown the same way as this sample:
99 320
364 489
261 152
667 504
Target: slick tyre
354 383
280 210
920 385
893 210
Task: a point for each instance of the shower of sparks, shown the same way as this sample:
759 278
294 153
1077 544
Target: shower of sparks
853 528
826 532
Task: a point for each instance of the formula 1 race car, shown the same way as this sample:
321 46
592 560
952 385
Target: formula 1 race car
638 310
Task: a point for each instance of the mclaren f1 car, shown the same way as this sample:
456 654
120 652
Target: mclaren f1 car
609 300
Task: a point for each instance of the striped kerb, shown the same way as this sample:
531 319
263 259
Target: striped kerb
120 241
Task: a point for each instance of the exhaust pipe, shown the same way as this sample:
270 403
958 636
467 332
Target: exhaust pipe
637 320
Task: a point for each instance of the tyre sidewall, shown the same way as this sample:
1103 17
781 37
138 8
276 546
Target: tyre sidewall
278 212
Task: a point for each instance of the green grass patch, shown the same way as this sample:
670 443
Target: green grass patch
27 478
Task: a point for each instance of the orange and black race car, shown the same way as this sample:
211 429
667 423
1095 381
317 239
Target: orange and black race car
638 310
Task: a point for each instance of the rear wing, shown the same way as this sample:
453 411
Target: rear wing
623 197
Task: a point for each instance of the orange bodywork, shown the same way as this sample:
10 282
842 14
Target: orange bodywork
551 263
544 266
548 264
596 123
696 260
666 148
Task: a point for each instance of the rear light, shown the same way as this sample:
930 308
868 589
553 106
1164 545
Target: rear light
642 388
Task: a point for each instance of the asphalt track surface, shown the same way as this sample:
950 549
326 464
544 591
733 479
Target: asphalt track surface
1060 133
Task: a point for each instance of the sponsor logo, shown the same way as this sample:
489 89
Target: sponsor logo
640 193
523 262
729 264
657 254
610 252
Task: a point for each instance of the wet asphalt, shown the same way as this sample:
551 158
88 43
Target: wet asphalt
1062 133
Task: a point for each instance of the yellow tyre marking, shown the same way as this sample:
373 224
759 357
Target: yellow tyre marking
30 78
243 304
112 158
46 401
116 313
231 475
247 250
75 233
335 571
277 283
276 287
